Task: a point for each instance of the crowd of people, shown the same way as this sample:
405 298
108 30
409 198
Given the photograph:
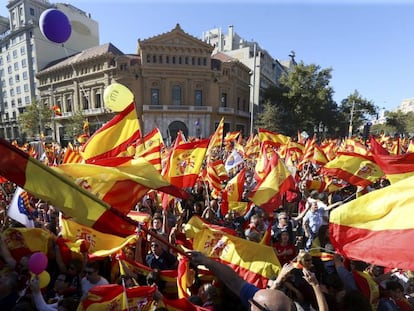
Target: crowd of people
312 276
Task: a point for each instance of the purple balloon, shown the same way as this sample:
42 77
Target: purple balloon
37 263
55 25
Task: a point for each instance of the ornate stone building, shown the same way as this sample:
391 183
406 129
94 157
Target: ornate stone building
177 85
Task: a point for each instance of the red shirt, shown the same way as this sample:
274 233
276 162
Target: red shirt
290 251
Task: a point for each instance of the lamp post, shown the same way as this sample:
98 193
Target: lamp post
253 90
350 120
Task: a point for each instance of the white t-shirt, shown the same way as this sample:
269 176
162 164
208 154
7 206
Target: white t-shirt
86 285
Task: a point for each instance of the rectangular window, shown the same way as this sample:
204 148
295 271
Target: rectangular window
18 90
27 99
85 103
16 66
14 53
176 95
17 78
68 104
26 87
155 96
238 103
24 63
223 100
22 50
98 100
32 12
198 98
25 75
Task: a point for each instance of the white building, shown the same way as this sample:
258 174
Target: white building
407 105
24 51
265 70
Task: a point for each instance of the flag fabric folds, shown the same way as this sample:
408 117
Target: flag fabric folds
357 169
185 163
99 244
61 192
20 209
114 137
114 297
254 262
379 222
396 167
121 181
276 181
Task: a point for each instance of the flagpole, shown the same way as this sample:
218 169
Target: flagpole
254 90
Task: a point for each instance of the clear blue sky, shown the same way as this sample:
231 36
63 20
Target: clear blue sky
368 44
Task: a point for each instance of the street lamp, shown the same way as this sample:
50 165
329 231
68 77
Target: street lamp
350 120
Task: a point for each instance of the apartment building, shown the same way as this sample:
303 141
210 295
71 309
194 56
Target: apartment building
24 51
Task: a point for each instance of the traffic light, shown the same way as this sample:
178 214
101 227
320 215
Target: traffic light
367 129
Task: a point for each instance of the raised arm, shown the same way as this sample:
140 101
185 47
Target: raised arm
227 275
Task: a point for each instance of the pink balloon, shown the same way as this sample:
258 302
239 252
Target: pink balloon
37 263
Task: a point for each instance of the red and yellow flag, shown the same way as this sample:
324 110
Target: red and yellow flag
380 222
99 244
74 201
114 297
121 181
185 163
254 262
277 180
357 169
114 137
396 167
275 139
376 147
216 140
71 155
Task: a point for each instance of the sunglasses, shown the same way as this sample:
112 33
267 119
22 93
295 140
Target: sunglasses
154 245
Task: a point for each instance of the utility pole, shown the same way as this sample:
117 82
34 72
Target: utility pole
350 120
253 91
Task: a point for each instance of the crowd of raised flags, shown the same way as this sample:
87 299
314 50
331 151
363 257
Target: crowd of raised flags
98 187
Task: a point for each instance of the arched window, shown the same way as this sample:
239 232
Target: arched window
176 95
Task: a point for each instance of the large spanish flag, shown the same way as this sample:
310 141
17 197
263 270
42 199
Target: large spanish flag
396 167
120 181
185 163
357 169
100 244
60 191
114 297
377 227
254 262
114 137
276 181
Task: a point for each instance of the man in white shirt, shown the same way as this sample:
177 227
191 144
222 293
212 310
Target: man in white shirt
92 278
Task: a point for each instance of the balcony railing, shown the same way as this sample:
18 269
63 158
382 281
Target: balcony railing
148 108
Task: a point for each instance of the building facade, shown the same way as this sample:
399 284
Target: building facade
24 51
177 85
406 105
76 85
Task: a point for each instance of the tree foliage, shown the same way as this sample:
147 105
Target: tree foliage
303 101
401 123
75 125
360 108
35 118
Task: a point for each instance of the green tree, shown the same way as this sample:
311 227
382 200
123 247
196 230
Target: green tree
358 109
74 125
35 119
402 123
303 101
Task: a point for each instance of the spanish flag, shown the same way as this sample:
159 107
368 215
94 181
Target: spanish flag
396 167
121 181
379 221
100 244
277 180
114 137
254 262
74 201
114 297
357 169
275 139
185 163
376 147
